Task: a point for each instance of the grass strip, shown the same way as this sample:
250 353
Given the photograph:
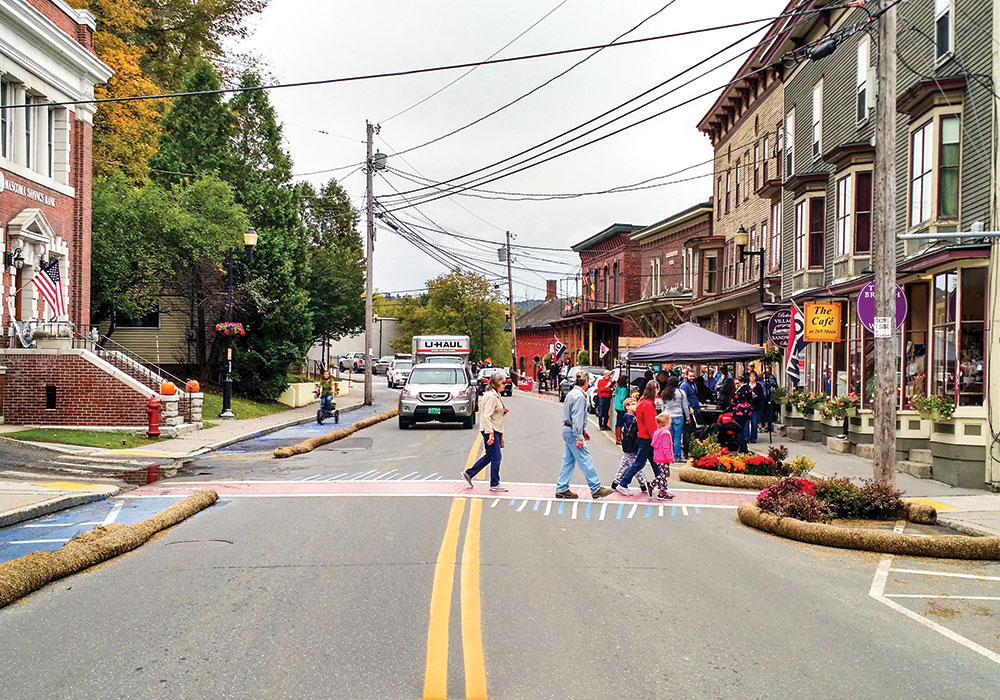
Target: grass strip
109 439
242 408
20 577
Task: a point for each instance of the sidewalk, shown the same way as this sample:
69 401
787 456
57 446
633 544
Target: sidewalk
21 500
972 511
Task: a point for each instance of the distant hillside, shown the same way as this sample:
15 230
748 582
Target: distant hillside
525 306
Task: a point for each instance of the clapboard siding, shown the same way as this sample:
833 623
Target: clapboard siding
174 349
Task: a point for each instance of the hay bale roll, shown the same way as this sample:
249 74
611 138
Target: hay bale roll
707 477
870 540
326 438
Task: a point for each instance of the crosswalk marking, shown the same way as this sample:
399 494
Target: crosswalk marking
575 504
604 508
548 507
523 504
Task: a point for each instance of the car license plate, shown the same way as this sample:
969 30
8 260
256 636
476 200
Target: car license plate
434 411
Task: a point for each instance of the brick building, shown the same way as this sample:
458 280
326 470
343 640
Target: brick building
667 263
611 274
535 332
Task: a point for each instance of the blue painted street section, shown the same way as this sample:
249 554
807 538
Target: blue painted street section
51 532
298 433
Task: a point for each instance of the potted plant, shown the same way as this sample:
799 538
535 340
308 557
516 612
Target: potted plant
843 406
779 395
230 328
933 407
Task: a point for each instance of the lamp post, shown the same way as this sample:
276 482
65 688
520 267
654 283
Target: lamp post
741 238
249 241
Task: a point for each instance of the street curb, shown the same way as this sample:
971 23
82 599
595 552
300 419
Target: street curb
966 528
36 510
870 539
50 446
20 577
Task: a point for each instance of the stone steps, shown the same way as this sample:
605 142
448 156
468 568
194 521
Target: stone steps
921 470
922 456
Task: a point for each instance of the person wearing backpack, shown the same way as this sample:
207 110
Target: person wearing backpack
630 444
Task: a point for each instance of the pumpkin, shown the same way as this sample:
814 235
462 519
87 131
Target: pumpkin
168 388
192 386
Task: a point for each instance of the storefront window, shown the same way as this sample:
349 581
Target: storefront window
863 214
728 323
971 359
915 349
945 299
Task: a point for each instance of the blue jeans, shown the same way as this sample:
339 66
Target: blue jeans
326 403
677 435
575 456
603 416
645 453
756 418
492 457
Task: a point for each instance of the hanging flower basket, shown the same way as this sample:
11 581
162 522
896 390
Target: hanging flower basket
230 328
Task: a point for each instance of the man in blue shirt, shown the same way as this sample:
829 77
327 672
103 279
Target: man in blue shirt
575 435
690 390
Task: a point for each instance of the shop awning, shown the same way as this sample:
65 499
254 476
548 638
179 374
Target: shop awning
691 343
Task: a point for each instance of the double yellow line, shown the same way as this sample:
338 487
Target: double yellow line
436 669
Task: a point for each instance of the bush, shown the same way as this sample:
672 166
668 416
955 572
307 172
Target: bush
844 498
800 466
709 446
583 358
881 499
547 360
778 454
733 465
710 462
794 498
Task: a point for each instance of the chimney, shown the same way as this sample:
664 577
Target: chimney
550 290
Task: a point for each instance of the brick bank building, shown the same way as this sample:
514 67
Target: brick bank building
47 59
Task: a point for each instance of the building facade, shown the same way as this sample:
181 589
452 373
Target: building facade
946 180
535 332
668 274
46 60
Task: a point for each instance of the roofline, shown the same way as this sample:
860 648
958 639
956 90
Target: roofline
677 219
604 235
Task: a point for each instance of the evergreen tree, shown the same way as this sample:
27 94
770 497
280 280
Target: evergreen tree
197 131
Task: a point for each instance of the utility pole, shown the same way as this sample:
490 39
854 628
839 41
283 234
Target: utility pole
510 298
369 258
884 250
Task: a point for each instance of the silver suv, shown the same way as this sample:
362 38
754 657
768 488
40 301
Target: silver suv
438 392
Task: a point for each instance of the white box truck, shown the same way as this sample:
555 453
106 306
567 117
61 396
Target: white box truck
441 348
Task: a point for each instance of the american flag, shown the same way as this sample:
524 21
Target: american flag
49 284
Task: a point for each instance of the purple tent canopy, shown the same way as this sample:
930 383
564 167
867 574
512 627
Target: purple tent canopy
691 343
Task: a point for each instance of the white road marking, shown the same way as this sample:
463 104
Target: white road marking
941 573
430 476
519 483
494 504
684 510
363 475
35 541
877 591
57 525
233 496
635 507
523 504
575 504
661 511
604 509
408 476
548 507
113 515
386 475
942 597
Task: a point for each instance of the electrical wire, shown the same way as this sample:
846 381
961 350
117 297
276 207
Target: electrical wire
448 85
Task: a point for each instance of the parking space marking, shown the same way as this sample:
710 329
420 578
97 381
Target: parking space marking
113 514
877 591
942 597
943 573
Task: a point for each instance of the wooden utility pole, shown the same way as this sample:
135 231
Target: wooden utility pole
510 299
884 250
369 255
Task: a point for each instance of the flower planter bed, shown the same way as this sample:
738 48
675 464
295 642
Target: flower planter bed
870 539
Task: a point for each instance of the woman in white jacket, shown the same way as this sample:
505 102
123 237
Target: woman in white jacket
491 413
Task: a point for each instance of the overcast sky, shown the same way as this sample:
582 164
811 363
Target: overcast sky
311 39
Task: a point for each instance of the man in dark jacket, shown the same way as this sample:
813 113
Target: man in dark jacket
724 389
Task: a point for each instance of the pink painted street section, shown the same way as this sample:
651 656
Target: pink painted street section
307 489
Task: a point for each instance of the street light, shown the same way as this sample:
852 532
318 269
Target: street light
249 241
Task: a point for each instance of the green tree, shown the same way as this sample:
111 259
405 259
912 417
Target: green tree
273 289
180 32
458 303
198 130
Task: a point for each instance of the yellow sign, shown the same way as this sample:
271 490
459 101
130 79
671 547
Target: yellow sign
822 323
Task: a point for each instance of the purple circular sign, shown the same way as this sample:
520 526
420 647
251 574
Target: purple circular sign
866 306
777 327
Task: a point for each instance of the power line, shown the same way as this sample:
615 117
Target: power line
395 74
448 85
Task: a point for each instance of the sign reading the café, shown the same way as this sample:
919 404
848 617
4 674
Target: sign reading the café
822 322
778 327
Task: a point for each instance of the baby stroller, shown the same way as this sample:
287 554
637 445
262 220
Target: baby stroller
725 432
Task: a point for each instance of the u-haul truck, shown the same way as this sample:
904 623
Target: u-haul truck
440 348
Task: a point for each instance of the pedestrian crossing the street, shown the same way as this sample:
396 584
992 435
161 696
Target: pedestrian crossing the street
602 511
372 475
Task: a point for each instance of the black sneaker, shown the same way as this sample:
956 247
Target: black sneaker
664 496
468 479
642 486
614 484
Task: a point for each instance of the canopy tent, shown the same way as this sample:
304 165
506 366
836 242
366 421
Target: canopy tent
691 343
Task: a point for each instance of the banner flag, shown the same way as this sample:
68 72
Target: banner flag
796 345
559 349
604 350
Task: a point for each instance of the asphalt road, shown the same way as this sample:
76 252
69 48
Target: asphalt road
278 594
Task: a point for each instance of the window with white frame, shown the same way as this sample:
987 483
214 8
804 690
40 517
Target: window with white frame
764 163
863 213
737 182
652 279
729 184
844 214
710 272
688 268
6 98
921 171
817 118
29 131
861 81
756 166
944 30
775 248
50 142
948 167
746 176
790 143
764 241
801 220
718 199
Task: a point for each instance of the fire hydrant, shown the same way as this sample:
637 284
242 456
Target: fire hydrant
153 410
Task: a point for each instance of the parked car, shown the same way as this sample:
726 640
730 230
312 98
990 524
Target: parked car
381 365
398 372
567 383
483 380
438 392
352 361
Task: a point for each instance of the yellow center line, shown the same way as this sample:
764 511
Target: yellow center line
436 669
472 626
